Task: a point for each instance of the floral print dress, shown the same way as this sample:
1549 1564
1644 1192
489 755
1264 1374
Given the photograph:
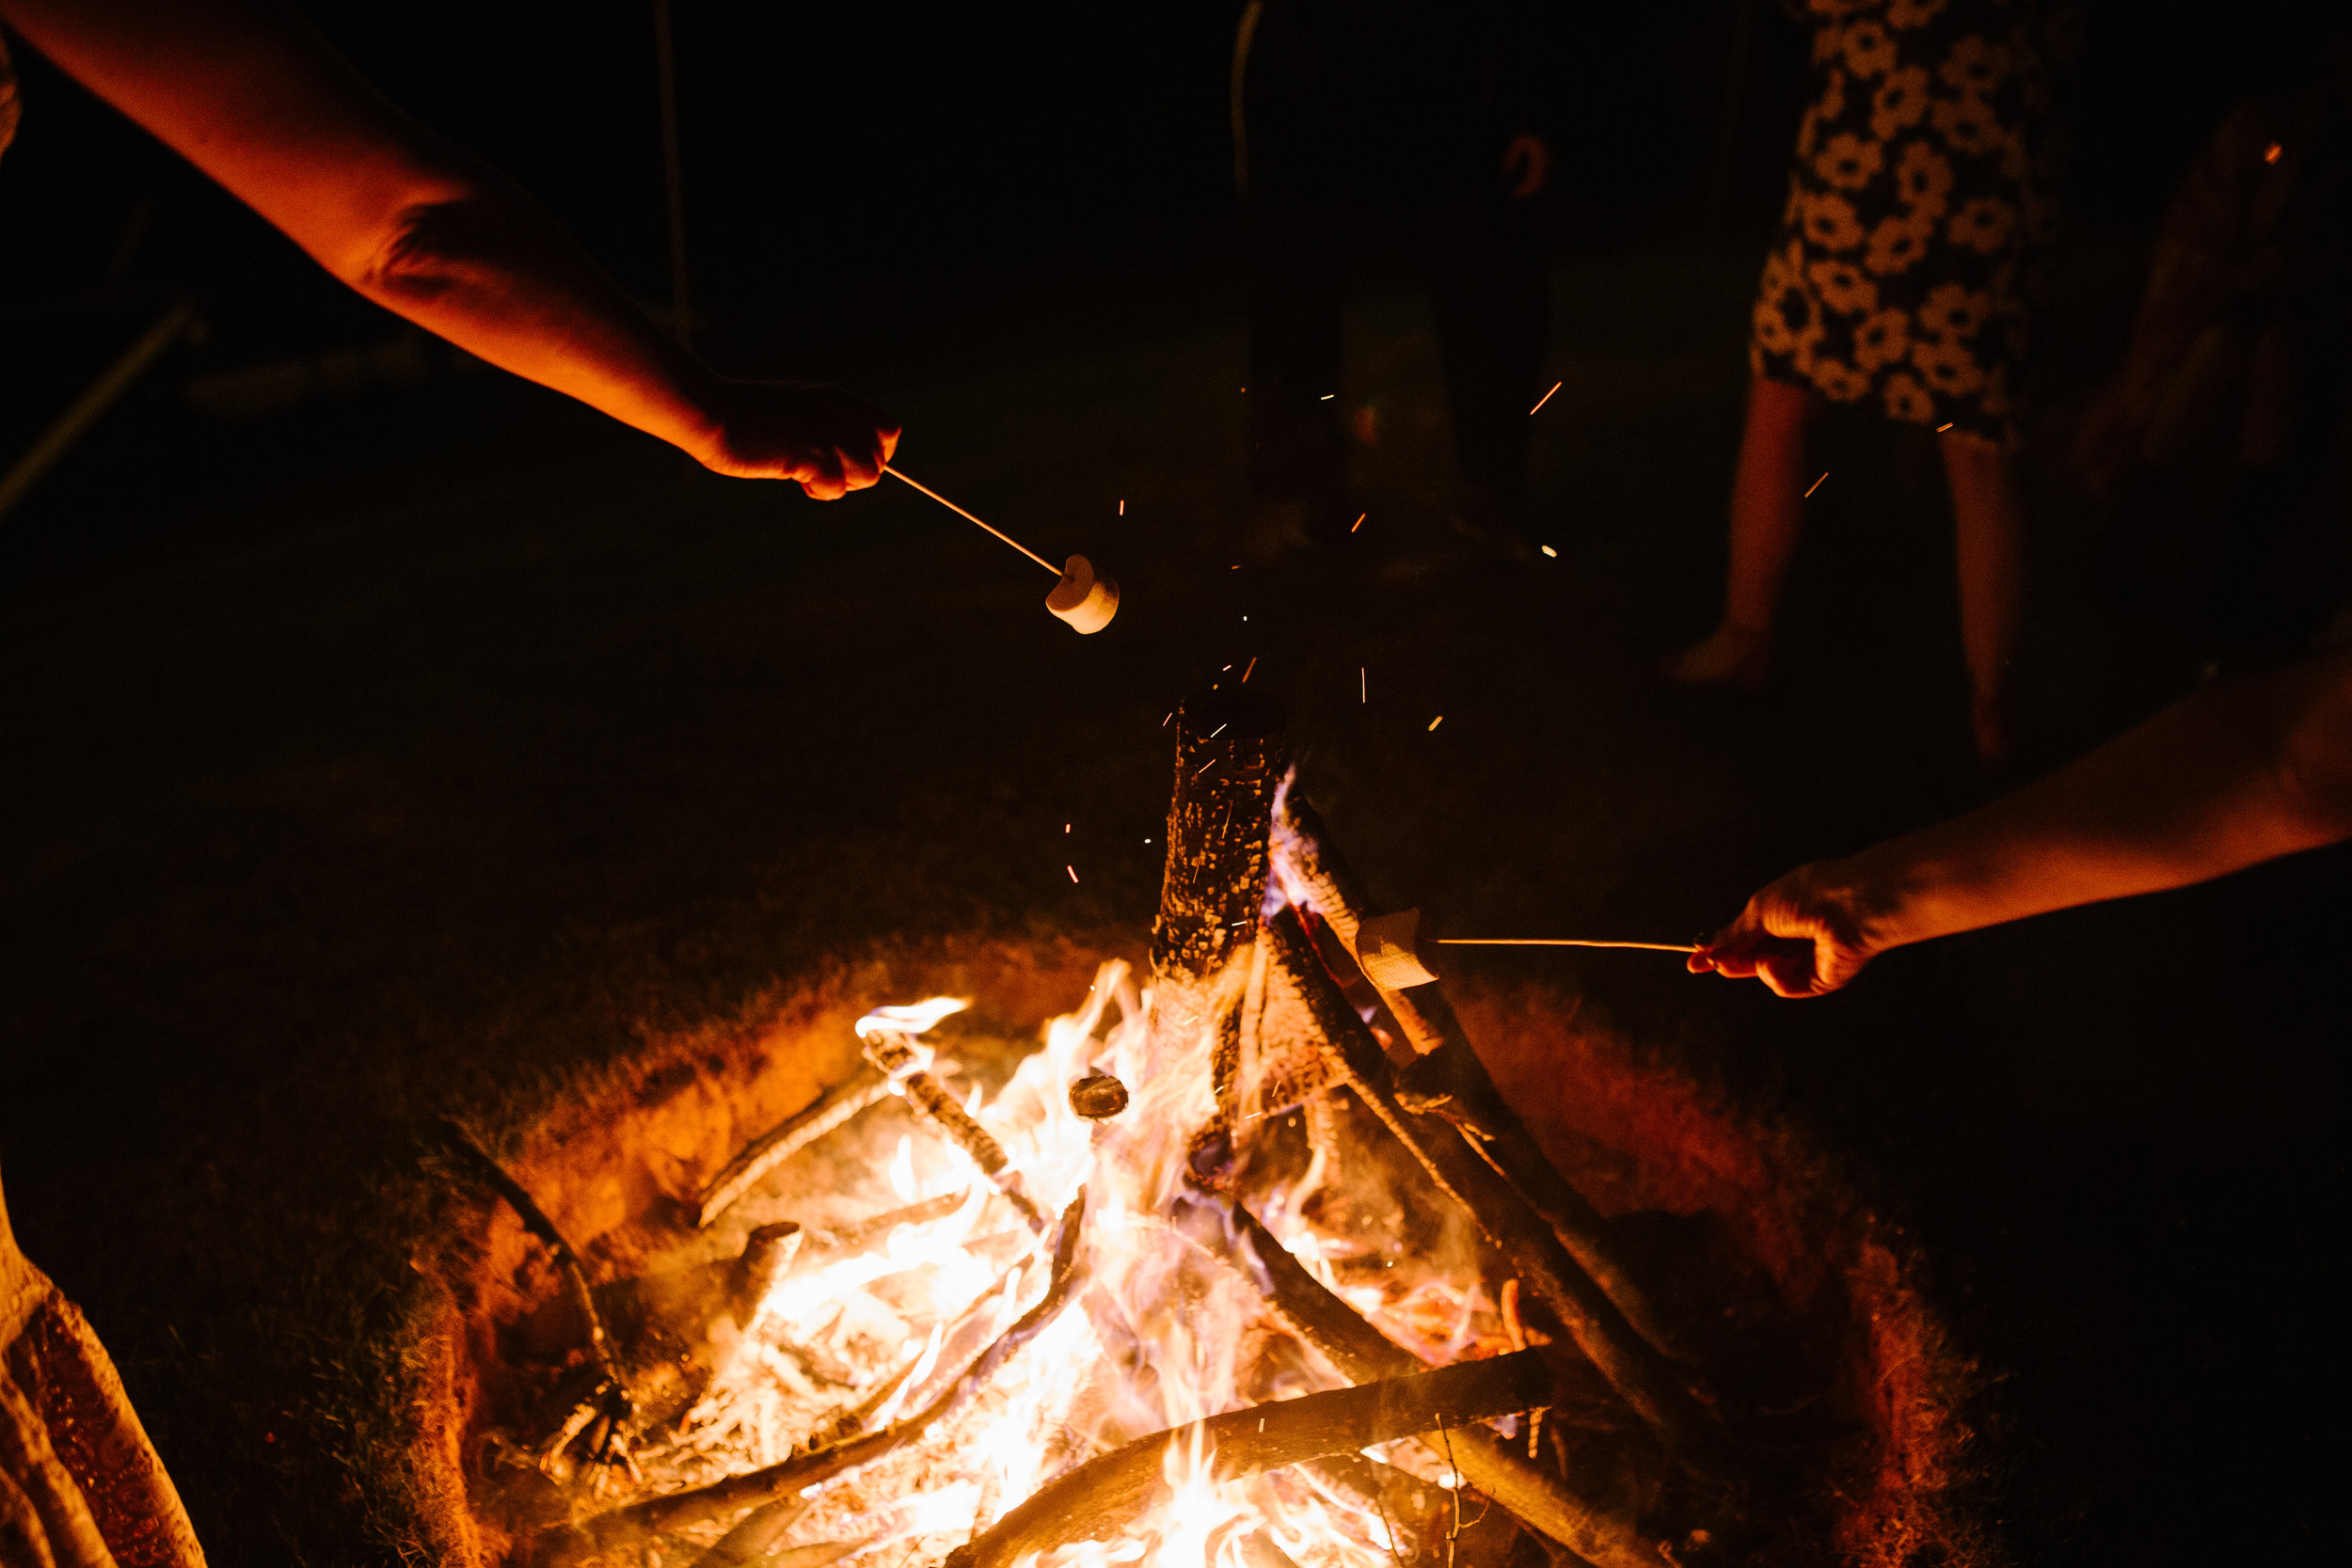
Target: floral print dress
1913 207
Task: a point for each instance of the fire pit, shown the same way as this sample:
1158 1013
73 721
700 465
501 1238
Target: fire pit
993 1257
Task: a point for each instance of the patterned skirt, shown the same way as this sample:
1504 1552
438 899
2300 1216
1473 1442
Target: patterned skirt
1899 274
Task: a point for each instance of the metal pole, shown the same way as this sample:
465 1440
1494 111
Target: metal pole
681 314
92 403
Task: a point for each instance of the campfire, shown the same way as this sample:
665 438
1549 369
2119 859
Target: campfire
1248 1264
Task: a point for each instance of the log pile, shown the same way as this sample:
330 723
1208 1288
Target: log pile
1250 953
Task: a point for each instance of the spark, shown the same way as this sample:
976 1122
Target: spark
1073 872
1253 664
1359 522
2270 153
1326 397
1939 430
1220 730
1816 484
1363 685
1550 552
1172 713
1123 506
1546 398
1205 766
1435 723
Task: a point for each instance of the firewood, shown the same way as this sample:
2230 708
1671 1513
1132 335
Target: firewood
787 1138
1107 1494
1230 759
611 1401
1450 1081
930 1099
563 1544
1642 1375
1227 1232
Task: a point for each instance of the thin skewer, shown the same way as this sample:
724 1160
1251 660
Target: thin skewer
961 513
1560 941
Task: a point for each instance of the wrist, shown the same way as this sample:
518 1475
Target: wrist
1868 901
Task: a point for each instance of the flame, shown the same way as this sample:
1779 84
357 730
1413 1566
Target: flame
1158 1333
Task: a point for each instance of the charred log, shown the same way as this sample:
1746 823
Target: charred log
1451 1082
1230 759
1231 1234
1644 1377
1107 1494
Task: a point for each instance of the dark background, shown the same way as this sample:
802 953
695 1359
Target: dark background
423 746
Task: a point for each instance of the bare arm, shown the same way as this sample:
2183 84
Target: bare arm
2233 776
252 97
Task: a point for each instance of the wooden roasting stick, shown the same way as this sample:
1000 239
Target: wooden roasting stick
1640 1374
1450 1081
1103 1496
561 1545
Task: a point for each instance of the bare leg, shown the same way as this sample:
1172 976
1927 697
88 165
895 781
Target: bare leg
1767 504
1990 555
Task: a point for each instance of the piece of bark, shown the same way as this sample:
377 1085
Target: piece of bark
1230 759
930 1099
1227 1232
1451 1082
565 1545
787 1138
1640 1374
1105 1495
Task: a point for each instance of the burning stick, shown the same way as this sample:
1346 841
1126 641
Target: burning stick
1647 1380
563 1545
1230 1235
1451 1082
779 1144
896 1053
1107 1494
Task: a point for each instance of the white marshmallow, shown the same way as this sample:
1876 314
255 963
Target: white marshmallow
1082 598
1385 948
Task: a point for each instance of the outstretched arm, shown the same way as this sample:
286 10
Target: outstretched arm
2233 776
247 92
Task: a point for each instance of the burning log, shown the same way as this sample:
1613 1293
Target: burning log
780 1143
1230 759
1230 1233
565 1545
1450 1081
1647 1380
930 1099
1107 1494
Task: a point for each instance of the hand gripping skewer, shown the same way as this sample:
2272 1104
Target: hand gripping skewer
1387 948
1086 598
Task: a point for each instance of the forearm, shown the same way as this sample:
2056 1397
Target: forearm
2229 778
247 93
487 269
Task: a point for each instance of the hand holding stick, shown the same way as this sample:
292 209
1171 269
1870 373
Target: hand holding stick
1084 598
